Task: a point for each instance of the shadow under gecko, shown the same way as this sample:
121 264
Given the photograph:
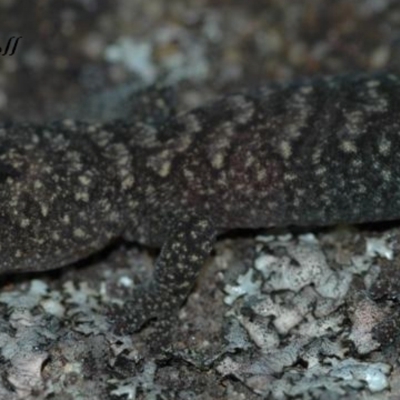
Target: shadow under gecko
316 152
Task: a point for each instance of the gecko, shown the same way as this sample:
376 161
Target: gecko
314 152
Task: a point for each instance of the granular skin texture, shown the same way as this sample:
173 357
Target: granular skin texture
310 153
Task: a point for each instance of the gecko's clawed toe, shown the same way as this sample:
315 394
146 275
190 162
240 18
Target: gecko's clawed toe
140 309
133 316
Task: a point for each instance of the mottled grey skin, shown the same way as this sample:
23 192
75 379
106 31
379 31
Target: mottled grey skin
318 152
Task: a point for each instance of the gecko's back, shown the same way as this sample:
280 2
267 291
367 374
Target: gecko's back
314 153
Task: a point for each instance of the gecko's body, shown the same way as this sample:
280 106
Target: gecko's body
314 153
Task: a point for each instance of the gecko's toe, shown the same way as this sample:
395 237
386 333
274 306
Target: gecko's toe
135 312
127 319
157 340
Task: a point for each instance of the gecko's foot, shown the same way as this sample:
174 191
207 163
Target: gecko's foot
135 314
144 307
182 256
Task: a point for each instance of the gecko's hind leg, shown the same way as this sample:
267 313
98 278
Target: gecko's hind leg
177 267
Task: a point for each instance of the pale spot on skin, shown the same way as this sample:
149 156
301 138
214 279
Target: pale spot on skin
128 182
355 125
161 162
114 216
150 190
192 123
37 184
386 175
285 149
82 196
348 147
384 146
117 150
356 163
133 204
222 180
165 169
182 143
217 161
39 241
104 138
261 174
104 205
25 223
249 160
55 236
320 171
123 161
85 180
362 189
194 258
289 177
323 185
44 209
79 233
188 174
242 107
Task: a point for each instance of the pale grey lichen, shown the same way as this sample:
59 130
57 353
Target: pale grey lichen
284 338
365 317
295 317
246 285
380 247
30 299
25 351
129 387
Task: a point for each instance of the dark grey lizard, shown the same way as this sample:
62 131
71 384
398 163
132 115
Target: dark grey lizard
318 152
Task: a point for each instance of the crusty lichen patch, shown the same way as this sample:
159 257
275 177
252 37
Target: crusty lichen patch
301 321
296 311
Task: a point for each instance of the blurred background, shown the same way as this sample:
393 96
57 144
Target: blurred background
70 49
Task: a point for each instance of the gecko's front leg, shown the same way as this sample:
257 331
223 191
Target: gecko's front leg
183 254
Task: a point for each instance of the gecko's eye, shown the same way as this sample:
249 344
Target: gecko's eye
7 171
